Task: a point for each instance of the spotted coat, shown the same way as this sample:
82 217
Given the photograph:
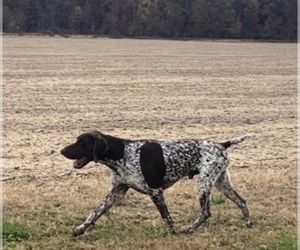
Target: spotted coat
151 166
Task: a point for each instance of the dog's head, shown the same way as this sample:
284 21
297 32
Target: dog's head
88 147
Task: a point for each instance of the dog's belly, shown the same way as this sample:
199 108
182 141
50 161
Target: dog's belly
142 186
171 180
136 181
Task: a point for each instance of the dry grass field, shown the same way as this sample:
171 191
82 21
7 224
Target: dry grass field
56 88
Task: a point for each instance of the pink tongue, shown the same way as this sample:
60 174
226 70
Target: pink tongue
80 163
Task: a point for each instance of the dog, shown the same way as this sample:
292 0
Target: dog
151 166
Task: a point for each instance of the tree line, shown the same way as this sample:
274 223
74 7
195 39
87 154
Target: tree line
246 19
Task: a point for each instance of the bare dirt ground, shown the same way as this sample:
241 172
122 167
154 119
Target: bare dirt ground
56 88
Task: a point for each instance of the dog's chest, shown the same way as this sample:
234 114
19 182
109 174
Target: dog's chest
131 173
128 170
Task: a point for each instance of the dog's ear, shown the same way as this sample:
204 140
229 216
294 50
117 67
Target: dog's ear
100 146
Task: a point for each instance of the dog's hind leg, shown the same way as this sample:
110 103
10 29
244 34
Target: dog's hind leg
116 194
209 172
205 186
225 187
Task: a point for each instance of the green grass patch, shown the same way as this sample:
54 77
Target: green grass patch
36 226
36 229
286 241
218 199
113 229
39 227
16 231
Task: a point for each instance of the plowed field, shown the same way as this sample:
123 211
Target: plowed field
56 88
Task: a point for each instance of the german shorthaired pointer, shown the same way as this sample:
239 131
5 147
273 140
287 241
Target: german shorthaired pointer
150 166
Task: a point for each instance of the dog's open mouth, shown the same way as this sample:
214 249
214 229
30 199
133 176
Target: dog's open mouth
80 163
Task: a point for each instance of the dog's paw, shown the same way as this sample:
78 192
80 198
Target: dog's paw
249 223
78 231
172 231
187 230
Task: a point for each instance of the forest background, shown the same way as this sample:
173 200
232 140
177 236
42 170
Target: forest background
235 19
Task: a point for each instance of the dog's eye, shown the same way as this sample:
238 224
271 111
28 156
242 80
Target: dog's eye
82 144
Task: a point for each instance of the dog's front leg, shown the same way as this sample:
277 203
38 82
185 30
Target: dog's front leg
159 202
116 194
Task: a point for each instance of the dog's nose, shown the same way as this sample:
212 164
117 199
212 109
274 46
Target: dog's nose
63 151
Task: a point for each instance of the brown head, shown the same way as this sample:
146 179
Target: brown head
90 146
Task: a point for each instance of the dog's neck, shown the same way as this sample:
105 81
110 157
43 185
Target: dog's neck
114 157
115 148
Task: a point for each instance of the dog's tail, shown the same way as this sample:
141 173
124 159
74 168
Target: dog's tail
236 140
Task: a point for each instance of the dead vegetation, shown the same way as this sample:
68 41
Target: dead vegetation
56 88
